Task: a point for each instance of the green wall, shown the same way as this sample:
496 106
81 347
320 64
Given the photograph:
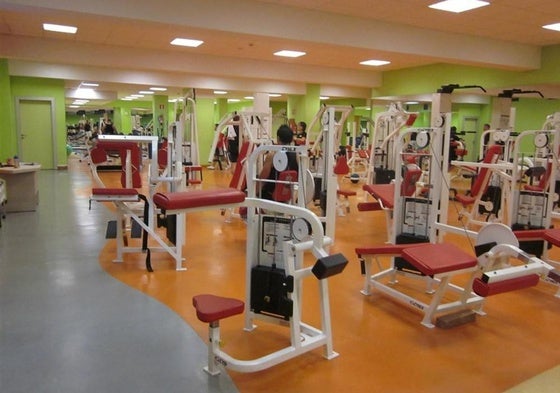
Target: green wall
41 88
7 117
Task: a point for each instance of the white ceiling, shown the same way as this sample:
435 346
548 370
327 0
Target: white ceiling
124 46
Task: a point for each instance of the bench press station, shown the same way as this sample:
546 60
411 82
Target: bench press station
438 263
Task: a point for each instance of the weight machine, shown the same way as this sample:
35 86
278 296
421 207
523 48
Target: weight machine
282 235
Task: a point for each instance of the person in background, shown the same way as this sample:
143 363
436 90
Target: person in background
108 128
233 142
284 136
301 133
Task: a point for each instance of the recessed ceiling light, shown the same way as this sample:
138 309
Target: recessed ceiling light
289 53
554 26
146 92
274 95
89 84
60 28
158 88
220 92
375 63
249 97
187 42
458 5
324 98
233 100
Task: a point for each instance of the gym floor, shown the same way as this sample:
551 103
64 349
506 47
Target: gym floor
67 325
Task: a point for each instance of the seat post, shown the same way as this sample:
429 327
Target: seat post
213 346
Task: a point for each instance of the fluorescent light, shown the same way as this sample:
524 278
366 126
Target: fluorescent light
89 84
249 97
233 100
73 106
60 28
186 42
375 63
458 5
411 102
127 98
136 95
146 92
289 53
554 26
158 88
274 95
220 92
324 98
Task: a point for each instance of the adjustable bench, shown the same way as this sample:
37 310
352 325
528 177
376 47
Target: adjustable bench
437 263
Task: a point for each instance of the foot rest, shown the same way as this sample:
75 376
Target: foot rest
198 198
431 259
346 193
114 194
484 289
211 308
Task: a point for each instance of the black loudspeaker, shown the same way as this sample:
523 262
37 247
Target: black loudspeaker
269 292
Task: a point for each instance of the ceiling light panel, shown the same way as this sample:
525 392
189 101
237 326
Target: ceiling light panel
375 63
187 42
289 53
554 26
458 6
60 28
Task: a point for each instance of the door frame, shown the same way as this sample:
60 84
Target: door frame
50 100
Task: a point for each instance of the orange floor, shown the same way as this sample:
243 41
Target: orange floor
382 345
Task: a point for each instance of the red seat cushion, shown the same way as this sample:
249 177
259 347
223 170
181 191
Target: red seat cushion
431 259
552 236
346 193
198 198
384 193
211 308
530 234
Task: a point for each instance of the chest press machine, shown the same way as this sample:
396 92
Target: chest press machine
279 236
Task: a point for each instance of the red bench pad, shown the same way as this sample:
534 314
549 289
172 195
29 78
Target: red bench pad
530 234
431 259
552 236
382 192
484 289
198 198
211 308
114 191
384 249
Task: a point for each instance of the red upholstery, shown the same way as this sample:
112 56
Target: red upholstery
198 198
384 249
98 155
341 167
481 183
411 119
369 206
408 185
530 234
238 180
211 308
543 181
114 191
122 148
484 289
282 191
438 258
384 193
346 193
552 236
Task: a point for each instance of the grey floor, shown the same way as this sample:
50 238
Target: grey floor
67 326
